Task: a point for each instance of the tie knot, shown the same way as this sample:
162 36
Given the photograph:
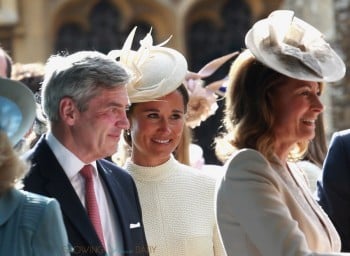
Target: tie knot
86 171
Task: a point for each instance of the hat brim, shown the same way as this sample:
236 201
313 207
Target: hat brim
21 97
329 66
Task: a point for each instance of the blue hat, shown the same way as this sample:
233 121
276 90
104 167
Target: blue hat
17 109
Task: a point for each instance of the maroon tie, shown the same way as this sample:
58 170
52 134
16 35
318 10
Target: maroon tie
91 202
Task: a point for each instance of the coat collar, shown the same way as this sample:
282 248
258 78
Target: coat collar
9 202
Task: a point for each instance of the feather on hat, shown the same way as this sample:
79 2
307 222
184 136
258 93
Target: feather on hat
156 70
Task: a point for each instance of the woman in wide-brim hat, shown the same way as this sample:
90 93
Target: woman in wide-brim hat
264 206
30 224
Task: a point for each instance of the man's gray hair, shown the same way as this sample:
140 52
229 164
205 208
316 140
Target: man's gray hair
79 76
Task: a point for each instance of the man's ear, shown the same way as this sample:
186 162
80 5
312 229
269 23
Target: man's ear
68 111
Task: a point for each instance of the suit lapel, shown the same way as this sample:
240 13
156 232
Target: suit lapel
73 210
302 184
59 187
115 190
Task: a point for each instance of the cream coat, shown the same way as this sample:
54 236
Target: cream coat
264 209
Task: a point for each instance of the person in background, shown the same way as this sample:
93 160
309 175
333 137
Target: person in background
32 75
5 64
263 203
176 199
333 191
202 104
84 99
30 224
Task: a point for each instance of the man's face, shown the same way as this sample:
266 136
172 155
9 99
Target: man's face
96 131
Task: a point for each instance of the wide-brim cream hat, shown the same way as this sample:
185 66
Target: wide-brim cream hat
155 70
17 109
294 48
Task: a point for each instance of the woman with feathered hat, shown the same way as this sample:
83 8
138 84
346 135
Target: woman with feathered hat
176 199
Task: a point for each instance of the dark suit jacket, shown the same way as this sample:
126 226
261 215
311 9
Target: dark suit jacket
333 190
46 177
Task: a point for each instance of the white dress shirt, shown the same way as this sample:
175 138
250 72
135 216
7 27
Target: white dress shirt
71 165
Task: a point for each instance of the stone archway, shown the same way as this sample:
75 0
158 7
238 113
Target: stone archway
103 25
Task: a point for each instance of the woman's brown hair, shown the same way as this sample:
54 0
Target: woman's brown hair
249 117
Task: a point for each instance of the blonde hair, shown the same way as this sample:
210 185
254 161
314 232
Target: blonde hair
182 152
12 168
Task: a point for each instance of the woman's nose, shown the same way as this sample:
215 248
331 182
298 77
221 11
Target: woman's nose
164 125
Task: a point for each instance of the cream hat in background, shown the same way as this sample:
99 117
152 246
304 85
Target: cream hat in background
294 48
156 70
17 109
203 97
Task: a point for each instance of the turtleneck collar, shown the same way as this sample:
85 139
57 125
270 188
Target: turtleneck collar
153 173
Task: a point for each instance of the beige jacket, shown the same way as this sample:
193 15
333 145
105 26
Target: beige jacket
268 210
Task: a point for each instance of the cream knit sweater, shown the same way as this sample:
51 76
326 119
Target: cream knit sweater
177 204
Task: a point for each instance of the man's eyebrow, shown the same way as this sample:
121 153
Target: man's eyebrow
117 104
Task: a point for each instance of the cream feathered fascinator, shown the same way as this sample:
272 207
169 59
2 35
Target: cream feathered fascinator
203 98
156 70
294 48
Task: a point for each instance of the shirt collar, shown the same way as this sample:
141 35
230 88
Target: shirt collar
70 163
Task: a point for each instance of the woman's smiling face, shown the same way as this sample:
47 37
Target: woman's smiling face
296 106
156 129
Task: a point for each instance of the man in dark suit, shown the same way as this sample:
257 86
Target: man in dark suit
333 190
84 98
